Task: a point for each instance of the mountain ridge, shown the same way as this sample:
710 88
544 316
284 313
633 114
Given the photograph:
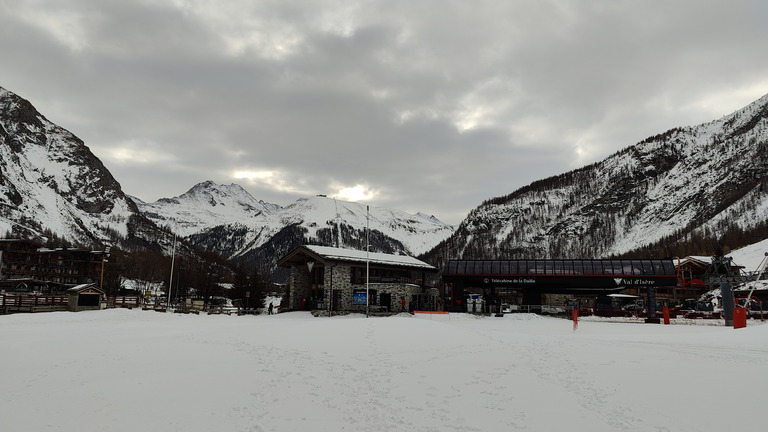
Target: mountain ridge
205 211
687 183
683 182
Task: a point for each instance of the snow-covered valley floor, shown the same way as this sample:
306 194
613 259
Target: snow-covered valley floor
132 370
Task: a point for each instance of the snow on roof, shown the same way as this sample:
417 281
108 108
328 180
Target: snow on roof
373 257
84 287
702 259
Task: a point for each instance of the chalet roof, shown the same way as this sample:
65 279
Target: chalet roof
324 253
85 287
705 261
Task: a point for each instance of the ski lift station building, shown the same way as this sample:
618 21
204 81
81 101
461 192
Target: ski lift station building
542 276
334 279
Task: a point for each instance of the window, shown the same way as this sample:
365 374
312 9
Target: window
646 266
504 267
461 268
487 267
592 267
548 267
577 268
513 268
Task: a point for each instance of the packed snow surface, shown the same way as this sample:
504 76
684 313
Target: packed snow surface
132 370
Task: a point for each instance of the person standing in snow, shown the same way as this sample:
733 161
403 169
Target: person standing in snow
270 308
402 302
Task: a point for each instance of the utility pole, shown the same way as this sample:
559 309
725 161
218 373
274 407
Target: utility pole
104 258
367 262
170 282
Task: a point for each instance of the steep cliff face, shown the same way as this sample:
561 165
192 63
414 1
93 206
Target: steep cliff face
687 181
51 184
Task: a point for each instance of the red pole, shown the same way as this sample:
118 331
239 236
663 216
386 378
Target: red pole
739 317
575 314
666 314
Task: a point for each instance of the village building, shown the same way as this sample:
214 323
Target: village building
692 271
327 279
28 267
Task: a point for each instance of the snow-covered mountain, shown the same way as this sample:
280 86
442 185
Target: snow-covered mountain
205 206
52 185
691 184
228 220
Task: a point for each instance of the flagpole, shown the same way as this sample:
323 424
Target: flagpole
170 282
367 262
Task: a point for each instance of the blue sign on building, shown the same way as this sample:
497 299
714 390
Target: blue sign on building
359 298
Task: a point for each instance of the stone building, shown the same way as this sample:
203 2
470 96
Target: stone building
334 280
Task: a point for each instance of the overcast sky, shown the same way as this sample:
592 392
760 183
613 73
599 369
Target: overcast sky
431 106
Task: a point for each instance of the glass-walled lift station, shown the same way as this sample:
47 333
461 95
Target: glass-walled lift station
537 277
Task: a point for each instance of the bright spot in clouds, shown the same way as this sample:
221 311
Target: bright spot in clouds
254 175
137 152
275 180
355 193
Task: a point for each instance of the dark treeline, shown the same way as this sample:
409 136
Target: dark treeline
701 242
197 275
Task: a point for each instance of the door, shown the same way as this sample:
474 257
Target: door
385 299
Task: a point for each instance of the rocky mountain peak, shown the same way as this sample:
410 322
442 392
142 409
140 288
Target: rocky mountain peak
51 182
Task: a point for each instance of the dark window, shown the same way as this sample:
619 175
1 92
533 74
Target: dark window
504 267
470 269
523 267
478 267
538 267
560 268
597 267
626 268
488 267
512 267
586 267
646 266
577 268
669 268
496 267
549 267
618 267
461 267
450 268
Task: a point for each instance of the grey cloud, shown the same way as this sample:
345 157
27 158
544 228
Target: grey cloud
344 93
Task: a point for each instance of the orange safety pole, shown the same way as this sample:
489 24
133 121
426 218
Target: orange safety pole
575 314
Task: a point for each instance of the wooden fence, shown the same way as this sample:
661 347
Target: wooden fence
123 302
33 303
26 303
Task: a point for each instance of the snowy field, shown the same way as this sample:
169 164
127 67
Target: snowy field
132 370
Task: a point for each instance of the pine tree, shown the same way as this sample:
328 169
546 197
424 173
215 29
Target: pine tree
240 286
259 284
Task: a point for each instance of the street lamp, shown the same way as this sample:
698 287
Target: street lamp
104 257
